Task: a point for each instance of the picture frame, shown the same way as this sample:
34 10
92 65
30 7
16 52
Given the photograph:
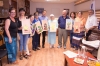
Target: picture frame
45 25
39 27
68 24
39 10
26 26
76 27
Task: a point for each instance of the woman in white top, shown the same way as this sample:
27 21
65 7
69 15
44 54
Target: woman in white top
51 33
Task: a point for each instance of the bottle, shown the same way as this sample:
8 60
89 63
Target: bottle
98 63
83 52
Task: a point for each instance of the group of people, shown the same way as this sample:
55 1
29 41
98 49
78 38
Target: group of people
13 27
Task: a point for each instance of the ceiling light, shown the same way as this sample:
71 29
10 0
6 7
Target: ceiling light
52 0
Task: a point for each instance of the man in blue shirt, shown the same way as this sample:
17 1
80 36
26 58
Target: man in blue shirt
62 32
43 17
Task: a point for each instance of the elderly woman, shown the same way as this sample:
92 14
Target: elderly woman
52 35
76 41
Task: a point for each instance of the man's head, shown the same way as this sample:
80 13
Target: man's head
64 13
91 12
44 13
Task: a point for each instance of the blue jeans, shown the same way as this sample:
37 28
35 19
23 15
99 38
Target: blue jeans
23 41
11 49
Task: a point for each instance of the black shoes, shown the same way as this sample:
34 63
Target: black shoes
25 56
43 46
38 49
35 49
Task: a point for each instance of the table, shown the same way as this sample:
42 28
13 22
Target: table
70 61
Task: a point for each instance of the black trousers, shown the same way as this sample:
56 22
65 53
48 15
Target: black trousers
43 37
88 34
35 41
39 40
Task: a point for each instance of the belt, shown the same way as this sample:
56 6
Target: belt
62 28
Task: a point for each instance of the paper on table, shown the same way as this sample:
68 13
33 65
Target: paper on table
70 54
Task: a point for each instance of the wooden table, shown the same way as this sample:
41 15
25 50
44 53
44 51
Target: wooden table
70 61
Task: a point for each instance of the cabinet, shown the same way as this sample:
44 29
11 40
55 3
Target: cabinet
27 6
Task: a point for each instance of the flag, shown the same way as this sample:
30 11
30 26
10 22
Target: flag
93 5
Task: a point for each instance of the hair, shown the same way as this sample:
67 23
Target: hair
91 10
36 13
80 12
30 16
43 11
11 8
21 9
66 11
74 14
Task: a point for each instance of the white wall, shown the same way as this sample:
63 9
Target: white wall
55 8
86 6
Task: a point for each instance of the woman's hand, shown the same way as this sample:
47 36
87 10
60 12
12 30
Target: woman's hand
10 40
37 32
20 28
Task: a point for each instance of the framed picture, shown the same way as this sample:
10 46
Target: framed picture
33 28
45 25
76 27
39 27
40 10
68 24
53 27
26 26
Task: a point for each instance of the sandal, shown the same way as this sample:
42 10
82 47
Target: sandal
15 62
26 56
21 57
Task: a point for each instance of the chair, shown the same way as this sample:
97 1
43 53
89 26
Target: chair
3 51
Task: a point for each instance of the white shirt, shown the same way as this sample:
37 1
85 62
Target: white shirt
91 21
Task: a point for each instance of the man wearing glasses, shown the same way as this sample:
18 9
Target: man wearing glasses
91 23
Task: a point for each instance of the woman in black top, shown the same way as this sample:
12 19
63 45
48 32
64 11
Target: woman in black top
10 35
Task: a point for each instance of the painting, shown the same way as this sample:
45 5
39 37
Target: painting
39 27
39 10
26 26
53 27
33 28
68 24
45 25
76 27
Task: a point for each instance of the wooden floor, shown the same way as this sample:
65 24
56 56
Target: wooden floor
44 57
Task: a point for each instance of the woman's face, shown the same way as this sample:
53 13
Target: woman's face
36 16
22 13
52 17
79 14
31 18
72 15
12 13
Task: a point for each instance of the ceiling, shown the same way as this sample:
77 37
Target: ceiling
54 1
